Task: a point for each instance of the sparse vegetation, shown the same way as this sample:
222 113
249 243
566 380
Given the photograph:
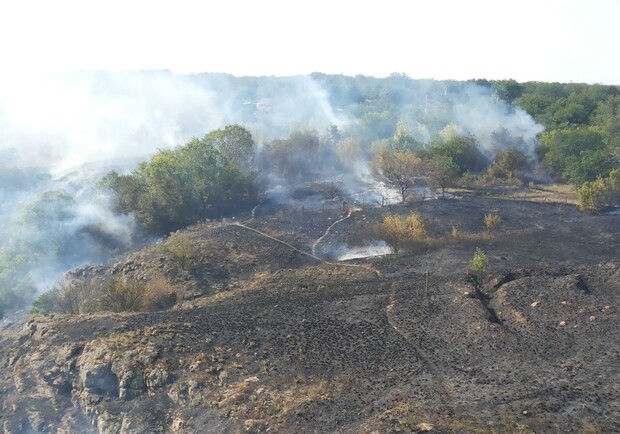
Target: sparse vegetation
159 295
492 221
243 351
115 294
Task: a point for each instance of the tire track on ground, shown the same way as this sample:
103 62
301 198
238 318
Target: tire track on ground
441 384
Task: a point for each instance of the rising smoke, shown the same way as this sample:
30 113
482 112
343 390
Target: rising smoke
60 133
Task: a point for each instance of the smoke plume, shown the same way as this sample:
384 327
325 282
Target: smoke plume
60 133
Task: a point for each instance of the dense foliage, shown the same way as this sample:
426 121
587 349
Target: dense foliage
207 178
582 140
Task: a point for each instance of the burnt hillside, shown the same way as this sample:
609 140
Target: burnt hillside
267 337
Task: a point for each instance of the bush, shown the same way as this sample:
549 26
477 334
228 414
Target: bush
395 230
181 252
492 221
159 295
120 294
479 261
44 303
75 297
456 232
597 195
592 196
116 294
508 164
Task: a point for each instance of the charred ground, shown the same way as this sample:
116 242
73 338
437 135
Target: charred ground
270 338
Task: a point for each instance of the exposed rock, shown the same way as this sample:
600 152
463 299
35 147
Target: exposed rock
424 427
284 343
156 379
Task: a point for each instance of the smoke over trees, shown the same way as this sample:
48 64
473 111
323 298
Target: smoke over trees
60 134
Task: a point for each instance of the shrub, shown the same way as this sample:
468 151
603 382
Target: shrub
398 229
120 294
456 232
492 221
479 261
75 297
160 295
414 245
116 294
181 252
508 164
415 225
597 195
592 196
44 303
470 180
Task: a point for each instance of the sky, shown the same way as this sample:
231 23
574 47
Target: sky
526 40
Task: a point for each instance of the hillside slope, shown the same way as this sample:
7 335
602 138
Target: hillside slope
272 339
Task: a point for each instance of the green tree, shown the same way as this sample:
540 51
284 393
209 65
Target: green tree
206 178
510 163
403 140
607 117
508 90
441 172
234 146
464 152
575 154
293 157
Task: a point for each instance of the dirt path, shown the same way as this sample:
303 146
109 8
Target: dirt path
318 241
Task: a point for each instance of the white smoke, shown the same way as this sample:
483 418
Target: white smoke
65 131
481 113
62 121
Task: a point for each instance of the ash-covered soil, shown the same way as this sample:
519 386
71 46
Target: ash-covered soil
272 339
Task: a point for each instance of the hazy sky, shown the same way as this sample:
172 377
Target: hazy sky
544 40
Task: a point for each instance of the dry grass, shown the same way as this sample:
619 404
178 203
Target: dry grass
397 231
306 390
588 427
492 221
551 193
159 295
410 416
